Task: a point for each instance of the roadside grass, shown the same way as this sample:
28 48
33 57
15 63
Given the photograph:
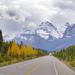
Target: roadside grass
13 61
70 64
16 60
67 55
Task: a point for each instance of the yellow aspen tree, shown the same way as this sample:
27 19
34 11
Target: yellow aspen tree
30 50
14 49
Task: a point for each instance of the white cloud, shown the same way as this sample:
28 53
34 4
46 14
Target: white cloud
24 8
26 12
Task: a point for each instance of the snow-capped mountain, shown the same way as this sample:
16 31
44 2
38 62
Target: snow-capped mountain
46 36
47 30
40 37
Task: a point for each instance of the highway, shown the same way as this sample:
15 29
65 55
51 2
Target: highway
47 65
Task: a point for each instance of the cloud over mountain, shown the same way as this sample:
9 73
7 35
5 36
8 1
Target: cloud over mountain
16 14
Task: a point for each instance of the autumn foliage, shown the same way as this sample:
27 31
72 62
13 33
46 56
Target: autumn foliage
11 52
23 51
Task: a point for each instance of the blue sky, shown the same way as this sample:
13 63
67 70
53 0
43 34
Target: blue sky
16 14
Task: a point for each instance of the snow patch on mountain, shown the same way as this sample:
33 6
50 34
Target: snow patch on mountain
47 29
70 31
43 34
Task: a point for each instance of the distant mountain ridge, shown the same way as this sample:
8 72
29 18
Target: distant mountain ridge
47 37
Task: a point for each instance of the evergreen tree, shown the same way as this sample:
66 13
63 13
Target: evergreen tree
1 40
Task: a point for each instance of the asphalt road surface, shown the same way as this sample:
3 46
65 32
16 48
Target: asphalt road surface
47 65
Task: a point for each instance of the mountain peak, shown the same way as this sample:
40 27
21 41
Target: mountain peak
70 30
47 29
49 24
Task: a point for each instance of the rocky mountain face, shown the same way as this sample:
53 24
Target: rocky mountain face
47 31
70 30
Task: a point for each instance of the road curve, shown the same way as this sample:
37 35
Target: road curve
47 65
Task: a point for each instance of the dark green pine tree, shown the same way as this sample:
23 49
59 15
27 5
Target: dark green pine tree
1 40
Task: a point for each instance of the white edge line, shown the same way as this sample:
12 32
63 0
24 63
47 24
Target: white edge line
55 69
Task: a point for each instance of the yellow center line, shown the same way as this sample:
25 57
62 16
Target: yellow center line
33 68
